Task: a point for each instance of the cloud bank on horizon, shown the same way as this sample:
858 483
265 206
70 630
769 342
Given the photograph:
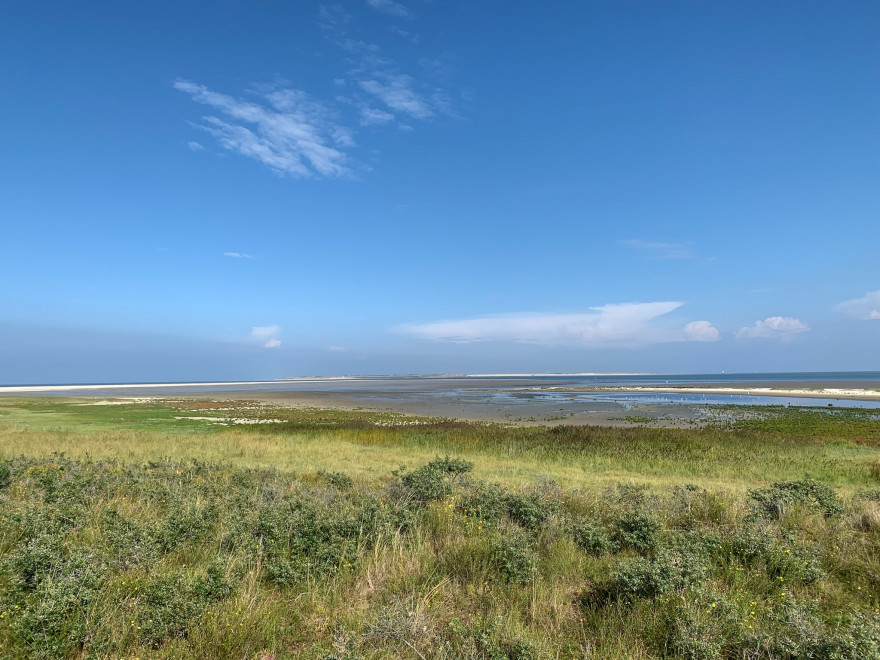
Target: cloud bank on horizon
618 325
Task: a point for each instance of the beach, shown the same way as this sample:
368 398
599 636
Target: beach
522 399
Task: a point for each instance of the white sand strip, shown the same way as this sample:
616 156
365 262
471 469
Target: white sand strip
13 389
120 386
817 393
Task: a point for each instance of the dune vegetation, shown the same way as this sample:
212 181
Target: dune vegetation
216 529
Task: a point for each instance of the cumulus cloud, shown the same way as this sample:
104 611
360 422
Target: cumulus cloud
623 324
773 327
286 131
701 331
866 307
238 255
267 335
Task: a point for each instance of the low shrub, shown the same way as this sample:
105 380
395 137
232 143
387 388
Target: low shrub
529 510
483 501
781 496
170 605
758 548
59 589
637 530
337 480
5 474
514 557
593 539
484 640
435 480
665 571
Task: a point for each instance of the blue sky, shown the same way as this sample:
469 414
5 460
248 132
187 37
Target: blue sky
257 190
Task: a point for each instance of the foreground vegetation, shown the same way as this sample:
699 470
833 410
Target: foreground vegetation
156 537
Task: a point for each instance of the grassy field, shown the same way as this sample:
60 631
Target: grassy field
199 529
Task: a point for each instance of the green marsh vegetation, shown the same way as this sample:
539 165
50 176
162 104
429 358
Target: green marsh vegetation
143 530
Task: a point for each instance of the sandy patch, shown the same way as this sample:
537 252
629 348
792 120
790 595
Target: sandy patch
811 393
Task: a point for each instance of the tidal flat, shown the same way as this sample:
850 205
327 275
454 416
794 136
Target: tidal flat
211 526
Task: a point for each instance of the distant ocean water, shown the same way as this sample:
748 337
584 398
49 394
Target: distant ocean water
779 380
336 383
518 390
816 378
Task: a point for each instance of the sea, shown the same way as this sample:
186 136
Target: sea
522 390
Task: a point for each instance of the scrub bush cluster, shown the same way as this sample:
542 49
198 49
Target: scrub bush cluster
168 559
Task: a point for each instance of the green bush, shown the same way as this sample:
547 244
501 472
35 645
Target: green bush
484 641
667 570
128 544
529 510
34 561
799 633
483 501
338 480
515 557
52 619
186 521
5 475
435 480
304 538
781 496
593 539
171 604
637 530
695 639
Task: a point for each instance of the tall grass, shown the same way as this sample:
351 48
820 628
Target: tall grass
787 444
156 537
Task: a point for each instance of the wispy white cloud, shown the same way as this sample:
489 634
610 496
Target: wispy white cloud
288 131
396 91
295 135
390 7
406 34
774 327
379 78
332 17
623 324
195 146
267 335
656 250
238 255
373 116
867 307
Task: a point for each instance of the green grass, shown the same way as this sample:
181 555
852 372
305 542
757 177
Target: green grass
128 533
838 447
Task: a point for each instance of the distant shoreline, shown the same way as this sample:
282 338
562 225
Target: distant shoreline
306 379
128 386
808 393
795 389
